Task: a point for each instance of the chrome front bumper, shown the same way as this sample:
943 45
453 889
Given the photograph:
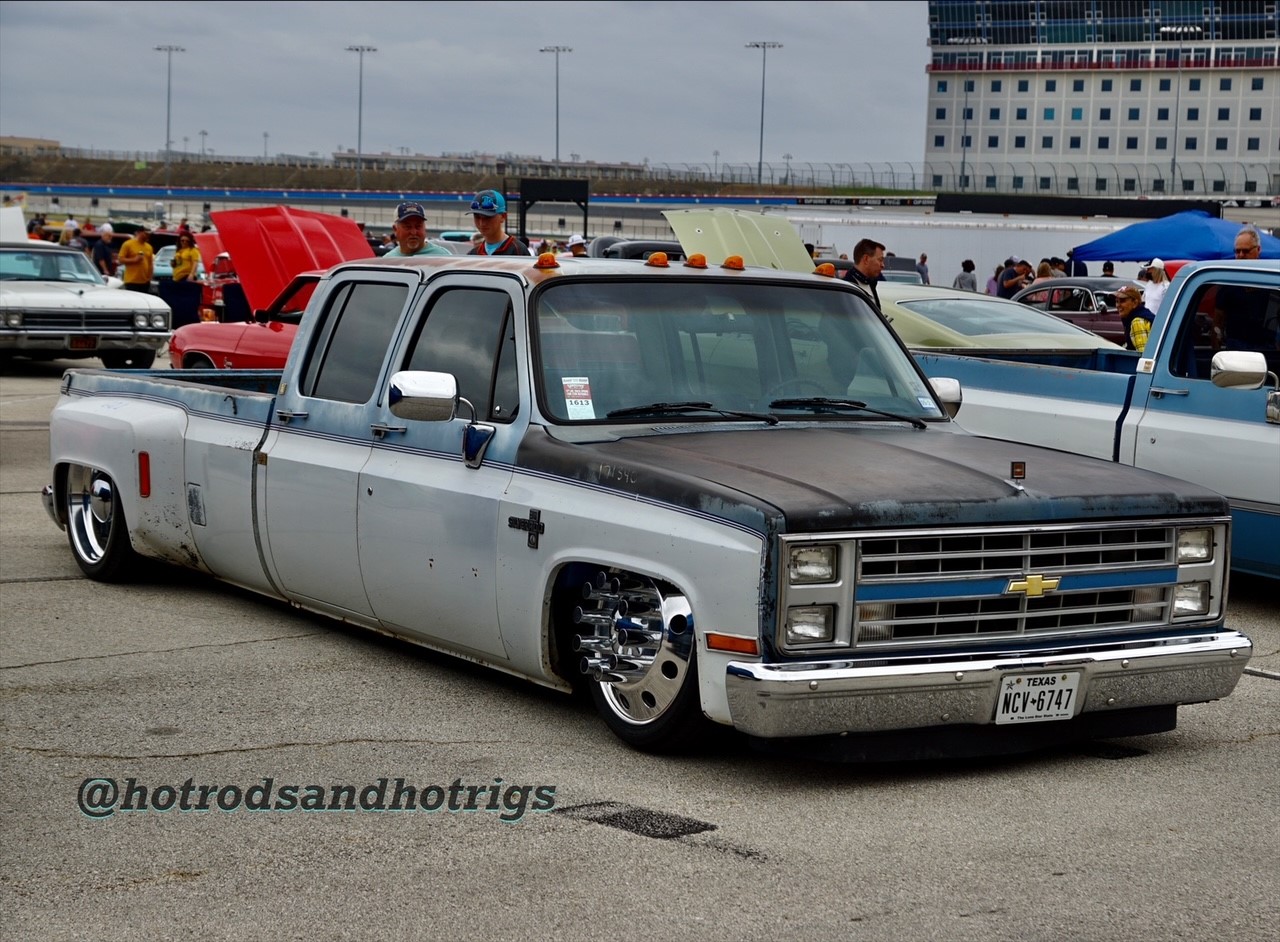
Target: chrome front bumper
825 697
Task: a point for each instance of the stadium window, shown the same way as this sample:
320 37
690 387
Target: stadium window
1130 143
1104 114
1077 85
1133 114
968 114
1020 114
1024 85
1048 114
1135 85
1077 114
1046 141
1104 143
995 114
1162 143
1050 85
1162 114
1130 184
1251 186
1256 84
1193 114
1100 185
1191 144
993 141
991 183
1106 85
1255 114
939 140
996 85
1224 85
1044 183
1017 183
942 87
1165 85
966 141
1253 143
1074 142
1224 114
1219 143
937 180
1157 186
1019 142
1193 85
940 114
1073 183
968 85
1219 186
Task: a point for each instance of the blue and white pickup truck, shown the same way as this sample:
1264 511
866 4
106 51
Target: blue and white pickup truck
704 492
1201 402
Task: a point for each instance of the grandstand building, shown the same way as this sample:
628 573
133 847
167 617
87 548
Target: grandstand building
1104 97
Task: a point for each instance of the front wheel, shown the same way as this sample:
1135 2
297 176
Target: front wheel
638 651
96 527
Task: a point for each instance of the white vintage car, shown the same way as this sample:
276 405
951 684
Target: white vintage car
55 305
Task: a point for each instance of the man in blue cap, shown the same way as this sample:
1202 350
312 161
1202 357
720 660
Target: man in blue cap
489 210
410 230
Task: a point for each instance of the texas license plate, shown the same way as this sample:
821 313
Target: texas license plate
1037 698
83 343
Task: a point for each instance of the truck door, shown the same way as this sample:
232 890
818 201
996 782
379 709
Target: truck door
1194 430
427 522
321 439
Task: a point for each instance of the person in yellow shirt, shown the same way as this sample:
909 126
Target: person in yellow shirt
137 259
186 260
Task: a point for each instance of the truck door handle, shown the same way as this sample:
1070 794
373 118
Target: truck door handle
381 430
287 415
1160 391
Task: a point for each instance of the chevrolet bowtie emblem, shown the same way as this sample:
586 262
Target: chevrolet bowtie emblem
1033 586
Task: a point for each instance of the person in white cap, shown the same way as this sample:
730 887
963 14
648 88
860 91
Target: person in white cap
104 255
577 245
1154 292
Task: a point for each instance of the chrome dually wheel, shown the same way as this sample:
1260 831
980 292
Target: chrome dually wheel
96 527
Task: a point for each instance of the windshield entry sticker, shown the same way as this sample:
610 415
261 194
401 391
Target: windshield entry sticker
577 397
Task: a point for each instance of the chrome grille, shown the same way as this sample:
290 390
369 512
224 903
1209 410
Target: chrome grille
77 320
911 555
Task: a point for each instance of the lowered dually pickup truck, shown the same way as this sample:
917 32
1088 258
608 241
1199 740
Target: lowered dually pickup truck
1201 402
703 491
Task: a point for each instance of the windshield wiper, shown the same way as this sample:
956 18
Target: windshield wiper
671 408
822 404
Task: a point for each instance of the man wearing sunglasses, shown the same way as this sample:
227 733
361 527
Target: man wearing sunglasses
1135 316
489 210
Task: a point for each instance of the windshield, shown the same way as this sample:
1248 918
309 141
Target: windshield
627 351
25 265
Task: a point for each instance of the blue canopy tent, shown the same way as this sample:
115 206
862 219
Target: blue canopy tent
1192 236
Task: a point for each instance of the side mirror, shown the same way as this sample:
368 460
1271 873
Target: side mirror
1238 369
949 393
423 396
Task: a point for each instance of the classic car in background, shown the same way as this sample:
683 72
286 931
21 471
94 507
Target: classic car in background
947 318
1086 302
259 344
55 305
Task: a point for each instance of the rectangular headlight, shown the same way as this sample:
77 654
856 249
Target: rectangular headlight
811 624
1190 598
1195 546
807 565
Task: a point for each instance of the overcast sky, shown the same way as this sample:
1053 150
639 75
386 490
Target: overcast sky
670 82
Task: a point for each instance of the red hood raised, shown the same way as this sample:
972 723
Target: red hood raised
272 244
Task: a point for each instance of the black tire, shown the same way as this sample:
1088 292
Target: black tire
128 359
648 692
96 528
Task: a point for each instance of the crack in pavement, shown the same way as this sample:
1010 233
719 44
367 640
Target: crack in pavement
266 747
189 647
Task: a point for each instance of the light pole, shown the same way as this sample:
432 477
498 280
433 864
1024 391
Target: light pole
168 50
557 50
265 135
360 50
715 156
764 48
787 158
1178 31
203 135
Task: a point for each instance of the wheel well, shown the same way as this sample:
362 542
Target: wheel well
193 360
